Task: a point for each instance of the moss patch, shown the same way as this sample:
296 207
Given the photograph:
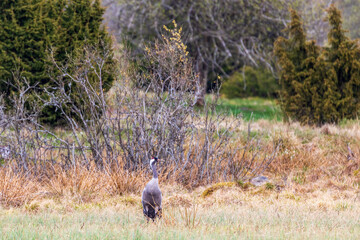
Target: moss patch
215 187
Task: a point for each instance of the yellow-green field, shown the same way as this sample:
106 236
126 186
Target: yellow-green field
230 213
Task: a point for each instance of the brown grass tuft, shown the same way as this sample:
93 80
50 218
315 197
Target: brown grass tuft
310 158
178 200
122 181
79 182
16 188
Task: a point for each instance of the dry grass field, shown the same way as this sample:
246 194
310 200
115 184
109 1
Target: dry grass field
230 213
313 194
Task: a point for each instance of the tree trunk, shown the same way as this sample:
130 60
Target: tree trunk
201 68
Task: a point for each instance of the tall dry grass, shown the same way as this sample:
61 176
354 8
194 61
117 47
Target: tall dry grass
79 183
16 188
309 158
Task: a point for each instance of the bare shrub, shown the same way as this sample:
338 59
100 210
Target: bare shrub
158 105
153 113
29 144
88 115
160 118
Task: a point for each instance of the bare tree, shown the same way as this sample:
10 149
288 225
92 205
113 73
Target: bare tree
222 35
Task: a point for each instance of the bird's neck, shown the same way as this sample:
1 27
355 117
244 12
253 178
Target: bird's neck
155 174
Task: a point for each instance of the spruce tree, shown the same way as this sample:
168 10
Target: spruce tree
29 28
297 58
24 37
319 85
80 25
342 96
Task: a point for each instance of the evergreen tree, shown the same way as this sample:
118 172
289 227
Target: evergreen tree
319 85
24 37
297 58
79 26
343 91
29 28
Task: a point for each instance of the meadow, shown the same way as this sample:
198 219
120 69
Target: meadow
313 193
253 108
228 214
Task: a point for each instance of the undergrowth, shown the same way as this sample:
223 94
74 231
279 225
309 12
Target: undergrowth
329 159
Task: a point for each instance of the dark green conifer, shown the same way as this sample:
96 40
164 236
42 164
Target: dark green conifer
81 25
319 85
29 28
24 37
297 58
342 96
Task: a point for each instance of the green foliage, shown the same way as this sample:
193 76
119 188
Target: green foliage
297 58
250 83
30 28
269 186
26 31
318 85
253 108
343 81
80 25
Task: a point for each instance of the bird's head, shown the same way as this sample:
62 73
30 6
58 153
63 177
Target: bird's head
153 161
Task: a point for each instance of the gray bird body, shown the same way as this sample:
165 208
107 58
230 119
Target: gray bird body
151 196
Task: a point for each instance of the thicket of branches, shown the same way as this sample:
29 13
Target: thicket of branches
148 113
222 35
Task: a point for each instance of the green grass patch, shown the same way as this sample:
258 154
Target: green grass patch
253 108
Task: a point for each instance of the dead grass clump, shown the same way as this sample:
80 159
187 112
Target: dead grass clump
190 217
79 182
16 188
32 207
326 130
315 175
225 197
168 217
351 169
122 181
331 184
178 200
